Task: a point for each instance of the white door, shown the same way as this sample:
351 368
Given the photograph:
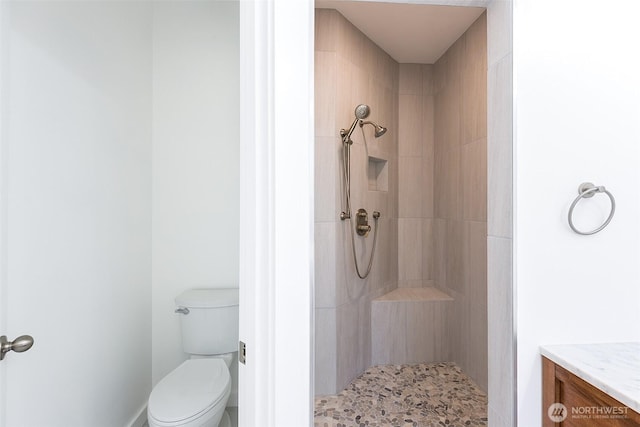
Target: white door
75 211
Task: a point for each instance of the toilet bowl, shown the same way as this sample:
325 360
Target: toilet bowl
193 394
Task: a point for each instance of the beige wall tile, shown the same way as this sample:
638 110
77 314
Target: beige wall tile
420 331
499 30
474 83
474 181
325 264
327 181
427 250
427 79
410 283
439 252
325 94
410 79
325 351
344 107
364 334
447 114
454 253
475 270
410 249
499 150
501 359
410 190
347 344
441 338
409 125
363 74
428 156
388 324
326 30
447 184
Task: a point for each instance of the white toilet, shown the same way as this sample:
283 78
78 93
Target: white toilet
196 392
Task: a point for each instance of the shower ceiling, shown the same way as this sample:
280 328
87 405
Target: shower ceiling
410 33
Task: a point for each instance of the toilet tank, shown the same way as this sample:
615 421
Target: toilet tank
211 324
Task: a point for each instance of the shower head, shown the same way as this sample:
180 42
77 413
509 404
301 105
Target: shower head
362 111
380 130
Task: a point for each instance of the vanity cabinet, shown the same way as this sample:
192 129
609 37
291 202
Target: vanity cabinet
586 405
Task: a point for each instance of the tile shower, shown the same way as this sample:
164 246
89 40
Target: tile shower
425 300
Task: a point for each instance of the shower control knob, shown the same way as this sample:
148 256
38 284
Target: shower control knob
19 345
364 228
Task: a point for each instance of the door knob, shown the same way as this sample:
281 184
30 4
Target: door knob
20 344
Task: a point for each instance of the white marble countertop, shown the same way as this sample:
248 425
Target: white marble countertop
613 368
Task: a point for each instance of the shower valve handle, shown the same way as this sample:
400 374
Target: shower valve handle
364 229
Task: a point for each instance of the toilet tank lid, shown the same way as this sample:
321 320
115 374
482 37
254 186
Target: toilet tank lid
208 298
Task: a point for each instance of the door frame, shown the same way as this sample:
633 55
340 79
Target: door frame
3 202
276 247
276 212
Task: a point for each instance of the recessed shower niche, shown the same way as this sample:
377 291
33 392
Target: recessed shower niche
378 174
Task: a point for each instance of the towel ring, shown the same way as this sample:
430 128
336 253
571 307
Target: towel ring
586 191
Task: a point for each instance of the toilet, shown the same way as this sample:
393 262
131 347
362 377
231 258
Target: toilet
197 391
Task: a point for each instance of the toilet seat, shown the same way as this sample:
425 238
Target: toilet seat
190 392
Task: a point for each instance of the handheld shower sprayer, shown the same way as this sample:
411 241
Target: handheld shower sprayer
361 112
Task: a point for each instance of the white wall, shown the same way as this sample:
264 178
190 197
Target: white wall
77 138
195 160
577 91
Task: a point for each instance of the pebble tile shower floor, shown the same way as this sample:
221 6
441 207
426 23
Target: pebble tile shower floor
422 395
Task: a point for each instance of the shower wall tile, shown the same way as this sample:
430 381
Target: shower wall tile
363 74
475 270
409 249
421 331
474 181
410 79
325 264
410 283
364 334
325 351
410 189
326 30
394 249
474 82
439 252
500 151
427 249
448 191
347 350
344 106
388 342
360 94
499 35
427 79
440 73
454 253
501 339
327 202
325 93
448 117
428 156
409 125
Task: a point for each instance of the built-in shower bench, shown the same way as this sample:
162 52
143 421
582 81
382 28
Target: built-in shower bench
409 325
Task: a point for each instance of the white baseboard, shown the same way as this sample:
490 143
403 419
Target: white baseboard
140 418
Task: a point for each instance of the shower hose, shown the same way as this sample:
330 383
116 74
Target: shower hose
346 157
